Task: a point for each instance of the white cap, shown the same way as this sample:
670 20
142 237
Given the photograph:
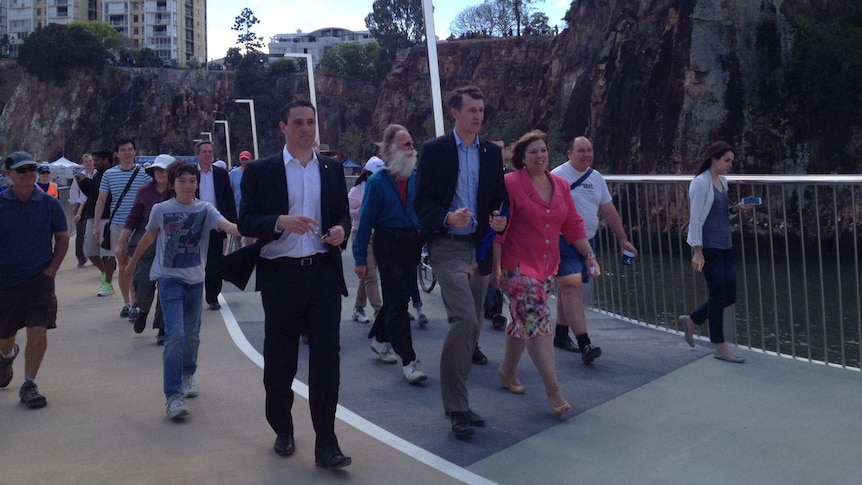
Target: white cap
374 164
220 163
162 161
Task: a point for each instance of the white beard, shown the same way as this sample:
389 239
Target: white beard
402 163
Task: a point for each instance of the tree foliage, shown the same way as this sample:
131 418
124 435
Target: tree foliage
243 23
539 24
353 59
396 24
5 45
495 18
108 36
51 52
232 58
828 61
282 67
147 57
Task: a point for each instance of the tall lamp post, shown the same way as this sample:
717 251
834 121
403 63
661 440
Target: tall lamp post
226 140
312 91
253 123
433 66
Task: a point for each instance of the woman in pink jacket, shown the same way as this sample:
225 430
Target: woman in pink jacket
526 257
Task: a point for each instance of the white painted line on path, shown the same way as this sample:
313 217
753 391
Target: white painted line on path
353 419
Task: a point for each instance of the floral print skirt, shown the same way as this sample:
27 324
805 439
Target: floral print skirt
528 305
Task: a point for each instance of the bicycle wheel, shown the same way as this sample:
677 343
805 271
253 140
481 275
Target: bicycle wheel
427 278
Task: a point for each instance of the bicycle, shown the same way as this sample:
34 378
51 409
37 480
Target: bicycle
427 278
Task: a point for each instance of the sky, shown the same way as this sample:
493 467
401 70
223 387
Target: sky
287 16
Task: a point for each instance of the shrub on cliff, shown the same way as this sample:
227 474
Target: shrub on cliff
51 52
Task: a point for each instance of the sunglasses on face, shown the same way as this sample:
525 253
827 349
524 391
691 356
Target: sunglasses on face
26 168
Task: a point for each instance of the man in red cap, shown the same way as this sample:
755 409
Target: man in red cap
235 179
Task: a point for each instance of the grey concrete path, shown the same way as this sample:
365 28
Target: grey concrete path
771 420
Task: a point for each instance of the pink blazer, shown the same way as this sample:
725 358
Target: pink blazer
531 241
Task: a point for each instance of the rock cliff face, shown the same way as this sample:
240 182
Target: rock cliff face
652 82
163 110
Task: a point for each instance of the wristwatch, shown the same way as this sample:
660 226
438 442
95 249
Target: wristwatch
591 256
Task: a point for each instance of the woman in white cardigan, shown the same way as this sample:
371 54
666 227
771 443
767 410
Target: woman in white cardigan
710 238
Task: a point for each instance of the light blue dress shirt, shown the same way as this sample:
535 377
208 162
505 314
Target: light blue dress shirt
468 183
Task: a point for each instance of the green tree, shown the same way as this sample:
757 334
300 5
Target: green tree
53 51
282 67
352 59
108 36
493 17
539 24
233 58
243 23
396 24
5 45
475 19
147 57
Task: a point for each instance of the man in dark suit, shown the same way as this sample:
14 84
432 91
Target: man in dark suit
295 202
460 189
215 189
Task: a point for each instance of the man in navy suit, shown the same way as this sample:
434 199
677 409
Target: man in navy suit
295 202
215 189
460 189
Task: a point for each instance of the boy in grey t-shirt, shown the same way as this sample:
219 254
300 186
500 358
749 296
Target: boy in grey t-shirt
181 227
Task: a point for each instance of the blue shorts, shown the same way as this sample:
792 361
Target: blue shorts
572 262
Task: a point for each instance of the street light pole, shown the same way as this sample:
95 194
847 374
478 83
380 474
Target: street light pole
433 66
226 140
209 135
253 123
312 91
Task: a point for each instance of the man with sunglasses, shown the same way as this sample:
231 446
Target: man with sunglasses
30 221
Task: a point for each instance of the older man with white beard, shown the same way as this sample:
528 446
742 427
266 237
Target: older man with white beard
387 208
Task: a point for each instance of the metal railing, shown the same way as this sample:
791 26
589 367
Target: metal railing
797 257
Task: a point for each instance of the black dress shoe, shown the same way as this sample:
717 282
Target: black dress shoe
284 444
566 343
473 418
589 353
331 457
214 306
461 426
478 357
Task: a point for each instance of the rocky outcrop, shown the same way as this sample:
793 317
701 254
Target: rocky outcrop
651 82
163 110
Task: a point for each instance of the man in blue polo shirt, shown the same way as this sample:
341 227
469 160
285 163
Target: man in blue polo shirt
30 220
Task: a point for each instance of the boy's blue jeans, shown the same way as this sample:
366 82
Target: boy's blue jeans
181 304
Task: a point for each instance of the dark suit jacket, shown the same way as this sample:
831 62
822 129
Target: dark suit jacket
264 198
225 202
437 179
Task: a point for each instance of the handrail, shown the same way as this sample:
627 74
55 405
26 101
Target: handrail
818 179
798 262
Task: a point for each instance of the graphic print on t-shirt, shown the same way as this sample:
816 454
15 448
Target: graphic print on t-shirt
183 232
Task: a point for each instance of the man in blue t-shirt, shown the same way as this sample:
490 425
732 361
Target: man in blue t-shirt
30 220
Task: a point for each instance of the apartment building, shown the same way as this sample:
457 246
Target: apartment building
20 17
175 29
315 43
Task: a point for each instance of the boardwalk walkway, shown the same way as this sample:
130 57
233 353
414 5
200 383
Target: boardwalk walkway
651 411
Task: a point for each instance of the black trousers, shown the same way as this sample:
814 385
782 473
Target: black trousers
80 234
215 252
397 254
301 300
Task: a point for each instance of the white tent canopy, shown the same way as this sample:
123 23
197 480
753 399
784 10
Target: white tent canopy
64 162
